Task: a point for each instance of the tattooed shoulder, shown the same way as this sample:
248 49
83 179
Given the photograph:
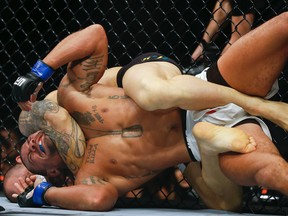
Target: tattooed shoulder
41 107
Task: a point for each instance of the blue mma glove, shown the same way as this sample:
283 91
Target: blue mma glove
39 192
26 199
25 85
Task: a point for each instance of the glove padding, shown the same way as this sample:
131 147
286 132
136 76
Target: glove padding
24 87
25 199
30 198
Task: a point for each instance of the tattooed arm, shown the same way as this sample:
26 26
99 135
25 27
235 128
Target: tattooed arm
86 51
62 129
93 194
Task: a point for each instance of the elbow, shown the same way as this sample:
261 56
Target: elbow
266 176
97 36
97 28
101 204
105 201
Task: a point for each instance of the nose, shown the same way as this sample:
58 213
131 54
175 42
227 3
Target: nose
32 144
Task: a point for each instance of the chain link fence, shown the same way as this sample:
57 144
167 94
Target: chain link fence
30 28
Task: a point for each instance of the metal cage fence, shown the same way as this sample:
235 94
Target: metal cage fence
30 28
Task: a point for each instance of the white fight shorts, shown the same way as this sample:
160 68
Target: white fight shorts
226 116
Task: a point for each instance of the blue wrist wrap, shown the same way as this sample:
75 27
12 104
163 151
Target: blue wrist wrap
39 192
42 70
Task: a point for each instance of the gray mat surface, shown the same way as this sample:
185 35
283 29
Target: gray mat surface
14 209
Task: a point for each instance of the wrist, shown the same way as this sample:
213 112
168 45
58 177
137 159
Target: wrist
39 193
42 70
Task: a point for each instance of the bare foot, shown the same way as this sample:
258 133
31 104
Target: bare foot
213 139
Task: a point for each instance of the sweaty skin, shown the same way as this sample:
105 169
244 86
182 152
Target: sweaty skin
102 179
122 138
118 160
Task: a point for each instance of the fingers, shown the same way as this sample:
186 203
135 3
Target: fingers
19 188
33 177
23 182
40 85
26 106
29 182
33 97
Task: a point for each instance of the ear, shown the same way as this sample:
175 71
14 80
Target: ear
56 177
53 173
18 159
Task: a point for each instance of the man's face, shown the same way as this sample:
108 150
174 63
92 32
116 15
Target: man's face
39 154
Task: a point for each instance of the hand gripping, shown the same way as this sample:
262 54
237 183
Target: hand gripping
26 85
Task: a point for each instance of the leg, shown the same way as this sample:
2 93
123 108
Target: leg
240 26
160 85
262 167
220 11
254 62
214 188
257 57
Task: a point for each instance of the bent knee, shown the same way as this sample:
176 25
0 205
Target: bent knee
283 20
230 201
271 172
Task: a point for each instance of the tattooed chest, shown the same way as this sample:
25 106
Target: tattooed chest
88 117
94 124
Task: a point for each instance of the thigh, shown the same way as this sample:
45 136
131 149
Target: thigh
254 61
149 77
242 168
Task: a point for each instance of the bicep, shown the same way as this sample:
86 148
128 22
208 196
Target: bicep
68 137
60 127
83 73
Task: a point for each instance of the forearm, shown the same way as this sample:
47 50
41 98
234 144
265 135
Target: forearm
77 46
81 197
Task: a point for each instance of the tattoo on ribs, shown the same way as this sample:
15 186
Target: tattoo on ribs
118 97
83 118
97 114
129 132
91 152
94 180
